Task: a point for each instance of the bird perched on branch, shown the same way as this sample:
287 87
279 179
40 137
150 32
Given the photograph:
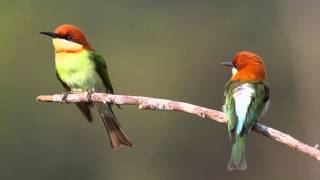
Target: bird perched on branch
82 69
246 100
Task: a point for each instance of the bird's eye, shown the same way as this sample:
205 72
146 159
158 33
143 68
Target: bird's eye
68 37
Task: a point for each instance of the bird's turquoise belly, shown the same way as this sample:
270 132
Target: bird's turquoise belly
77 71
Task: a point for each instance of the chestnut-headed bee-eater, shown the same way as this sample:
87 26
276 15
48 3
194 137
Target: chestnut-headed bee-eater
82 69
246 100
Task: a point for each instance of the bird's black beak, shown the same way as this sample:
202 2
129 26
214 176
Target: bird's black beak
51 34
228 64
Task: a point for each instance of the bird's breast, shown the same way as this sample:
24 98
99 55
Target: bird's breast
76 70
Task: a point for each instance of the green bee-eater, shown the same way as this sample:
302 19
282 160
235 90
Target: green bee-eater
246 99
82 69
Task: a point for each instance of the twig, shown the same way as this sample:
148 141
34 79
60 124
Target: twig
169 105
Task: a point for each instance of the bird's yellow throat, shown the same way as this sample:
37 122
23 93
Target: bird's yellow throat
62 45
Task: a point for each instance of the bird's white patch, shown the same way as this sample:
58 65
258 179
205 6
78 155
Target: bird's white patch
242 97
64 45
234 71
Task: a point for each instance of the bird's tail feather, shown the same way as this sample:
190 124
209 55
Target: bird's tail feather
238 158
116 134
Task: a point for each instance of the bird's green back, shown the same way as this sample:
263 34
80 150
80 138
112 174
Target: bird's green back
255 108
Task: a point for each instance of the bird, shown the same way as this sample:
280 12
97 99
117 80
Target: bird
246 101
80 68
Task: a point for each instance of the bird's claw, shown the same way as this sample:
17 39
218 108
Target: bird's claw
65 95
90 92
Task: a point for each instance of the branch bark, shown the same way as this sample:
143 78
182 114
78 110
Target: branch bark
169 105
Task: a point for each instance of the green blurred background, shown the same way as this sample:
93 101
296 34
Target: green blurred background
165 49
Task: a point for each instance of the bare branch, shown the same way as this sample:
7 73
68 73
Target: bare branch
169 105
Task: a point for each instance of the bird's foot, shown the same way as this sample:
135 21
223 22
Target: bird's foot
90 92
65 95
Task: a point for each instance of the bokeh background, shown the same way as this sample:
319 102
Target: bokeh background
165 49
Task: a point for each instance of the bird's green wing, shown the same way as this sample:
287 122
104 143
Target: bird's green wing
101 69
257 105
229 106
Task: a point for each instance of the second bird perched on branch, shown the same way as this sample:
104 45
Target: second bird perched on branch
81 69
246 100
